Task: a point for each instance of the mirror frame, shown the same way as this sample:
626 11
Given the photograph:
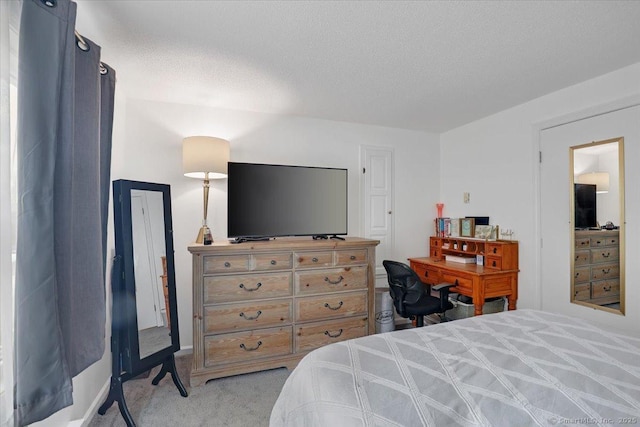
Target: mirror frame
124 311
621 229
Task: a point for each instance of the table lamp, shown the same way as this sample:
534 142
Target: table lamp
205 157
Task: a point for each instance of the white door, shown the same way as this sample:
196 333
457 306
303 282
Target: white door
377 192
147 300
555 195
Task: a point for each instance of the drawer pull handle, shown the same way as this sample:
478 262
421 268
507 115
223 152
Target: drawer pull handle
598 242
258 313
607 255
330 335
607 288
583 243
606 271
241 285
326 304
493 264
273 262
245 348
352 257
495 250
426 274
577 275
340 279
613 241
314 259
227 264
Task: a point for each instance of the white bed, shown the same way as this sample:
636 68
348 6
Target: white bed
517 368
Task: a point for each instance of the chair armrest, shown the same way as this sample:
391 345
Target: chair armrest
441 286
444 289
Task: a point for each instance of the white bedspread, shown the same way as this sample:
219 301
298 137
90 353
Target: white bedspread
518 368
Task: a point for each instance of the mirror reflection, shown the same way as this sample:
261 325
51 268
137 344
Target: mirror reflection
150 270
597 202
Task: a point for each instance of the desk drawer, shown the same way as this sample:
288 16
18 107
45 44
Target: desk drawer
428 275
461 282
494 263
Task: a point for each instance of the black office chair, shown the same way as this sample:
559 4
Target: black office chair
411 297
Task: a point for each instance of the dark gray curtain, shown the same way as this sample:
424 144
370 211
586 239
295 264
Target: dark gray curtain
64 146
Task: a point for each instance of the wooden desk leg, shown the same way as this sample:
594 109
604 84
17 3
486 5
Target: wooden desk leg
512 302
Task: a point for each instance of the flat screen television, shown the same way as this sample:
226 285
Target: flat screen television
266 201
585 206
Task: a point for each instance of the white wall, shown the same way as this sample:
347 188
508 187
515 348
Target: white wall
495 158
152 151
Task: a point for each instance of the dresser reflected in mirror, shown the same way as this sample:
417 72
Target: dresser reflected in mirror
597 229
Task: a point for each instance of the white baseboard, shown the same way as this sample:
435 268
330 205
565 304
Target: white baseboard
93 408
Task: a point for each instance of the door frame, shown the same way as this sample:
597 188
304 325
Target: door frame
363 196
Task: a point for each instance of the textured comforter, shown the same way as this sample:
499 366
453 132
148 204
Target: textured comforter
518 368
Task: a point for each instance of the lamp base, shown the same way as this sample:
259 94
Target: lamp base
204 236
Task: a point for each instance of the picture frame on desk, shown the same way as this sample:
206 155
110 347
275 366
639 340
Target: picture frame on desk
454 227
487 232
467 227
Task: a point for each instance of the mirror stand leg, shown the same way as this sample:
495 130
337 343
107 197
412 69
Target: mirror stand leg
116 394
169 366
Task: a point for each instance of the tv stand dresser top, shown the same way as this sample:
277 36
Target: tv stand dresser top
265 304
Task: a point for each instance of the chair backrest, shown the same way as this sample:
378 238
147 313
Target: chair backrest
404 284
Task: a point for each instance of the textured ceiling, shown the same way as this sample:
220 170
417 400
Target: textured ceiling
428 66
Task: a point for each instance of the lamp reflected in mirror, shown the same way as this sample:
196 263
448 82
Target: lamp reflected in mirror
597 229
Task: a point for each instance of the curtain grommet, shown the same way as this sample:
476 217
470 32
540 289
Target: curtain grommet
49 3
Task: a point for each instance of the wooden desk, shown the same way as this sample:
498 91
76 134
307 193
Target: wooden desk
475 281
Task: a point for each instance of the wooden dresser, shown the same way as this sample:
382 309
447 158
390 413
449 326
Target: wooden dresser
596 277
497 277
263 305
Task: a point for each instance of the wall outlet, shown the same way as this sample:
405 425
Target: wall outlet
466 197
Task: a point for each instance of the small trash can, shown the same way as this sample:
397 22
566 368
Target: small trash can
384 311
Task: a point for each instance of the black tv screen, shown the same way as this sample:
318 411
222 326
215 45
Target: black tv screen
278 200
585 206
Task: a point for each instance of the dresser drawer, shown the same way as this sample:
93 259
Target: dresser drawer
351 257
605 271
235 317
247 346
581 274
598 241
581 257
243 287
330 280
313 259
604 254
611 241
583 242
331 305
313 335
582 292
605 288
273 261
226 263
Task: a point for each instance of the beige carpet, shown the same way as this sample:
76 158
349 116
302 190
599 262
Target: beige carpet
242 400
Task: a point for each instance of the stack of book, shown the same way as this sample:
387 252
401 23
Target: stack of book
442 227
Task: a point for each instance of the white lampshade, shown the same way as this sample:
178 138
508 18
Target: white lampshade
202 154
599 179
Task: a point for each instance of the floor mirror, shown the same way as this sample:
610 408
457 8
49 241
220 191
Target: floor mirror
144 322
